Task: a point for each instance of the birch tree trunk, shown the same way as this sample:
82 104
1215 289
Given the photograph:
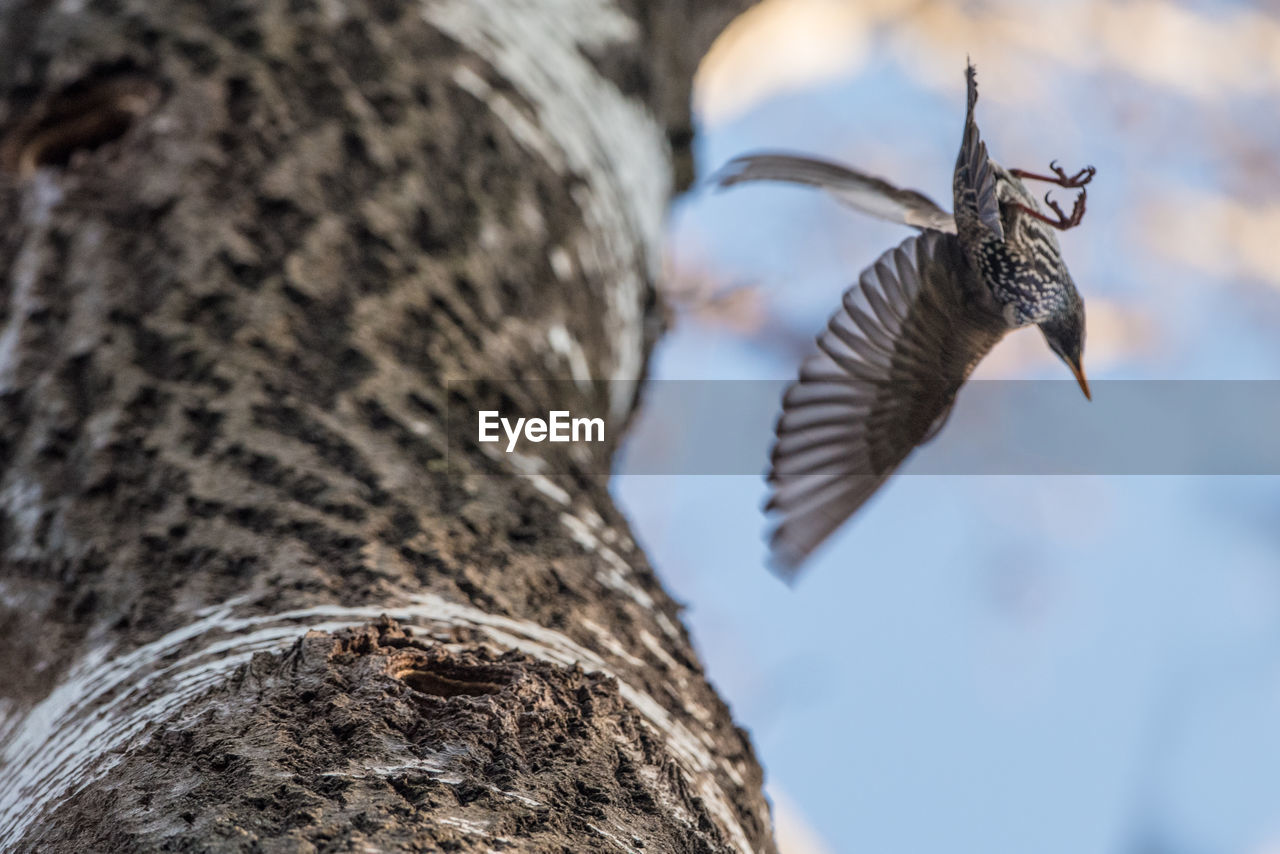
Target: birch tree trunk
244 603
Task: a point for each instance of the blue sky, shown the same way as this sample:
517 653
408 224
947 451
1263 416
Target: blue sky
999 664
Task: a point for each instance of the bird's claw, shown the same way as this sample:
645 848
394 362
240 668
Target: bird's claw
1061 179
1059 176
1077 210
1084 176
1063 221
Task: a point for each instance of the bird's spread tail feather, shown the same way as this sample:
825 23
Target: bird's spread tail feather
971 81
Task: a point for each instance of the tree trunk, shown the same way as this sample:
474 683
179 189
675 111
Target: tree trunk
245 604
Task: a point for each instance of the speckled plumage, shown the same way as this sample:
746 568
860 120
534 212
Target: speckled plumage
1017 255
911 331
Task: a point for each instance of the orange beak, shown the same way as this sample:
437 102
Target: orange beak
1078 370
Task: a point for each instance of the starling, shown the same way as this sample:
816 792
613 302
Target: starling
913 328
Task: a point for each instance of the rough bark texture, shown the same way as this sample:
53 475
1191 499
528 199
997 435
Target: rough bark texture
245 245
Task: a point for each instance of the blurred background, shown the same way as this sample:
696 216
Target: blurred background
995 665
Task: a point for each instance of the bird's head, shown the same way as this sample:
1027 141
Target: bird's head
1064 332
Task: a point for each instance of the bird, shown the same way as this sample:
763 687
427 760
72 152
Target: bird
909 333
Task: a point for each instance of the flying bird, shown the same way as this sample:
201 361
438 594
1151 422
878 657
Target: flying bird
913 328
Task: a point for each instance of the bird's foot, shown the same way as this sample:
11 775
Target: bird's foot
1063 222
1059 176
1062 179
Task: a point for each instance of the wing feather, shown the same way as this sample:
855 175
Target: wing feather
868 326
881 383
882 305
818 515
862 192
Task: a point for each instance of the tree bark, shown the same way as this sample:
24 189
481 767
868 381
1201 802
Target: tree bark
245 604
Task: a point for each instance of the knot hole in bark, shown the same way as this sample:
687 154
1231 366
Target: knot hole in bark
84 116
442 680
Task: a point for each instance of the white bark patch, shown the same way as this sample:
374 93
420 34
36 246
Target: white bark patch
85 727
406 769
524 799
561 263
522 128
614 572
603 136
470 827
549 489
566 345
654 646
622 846
528 466
44 196
8 718
610 643
21 502
38 202
434 765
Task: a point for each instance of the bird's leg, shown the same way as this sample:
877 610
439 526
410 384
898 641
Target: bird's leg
1063 222
1062 179
1059 176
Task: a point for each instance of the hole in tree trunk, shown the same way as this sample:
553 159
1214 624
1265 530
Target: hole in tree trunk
455 683
83 117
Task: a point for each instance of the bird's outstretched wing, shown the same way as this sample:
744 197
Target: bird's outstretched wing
975 178
888 368
861 192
